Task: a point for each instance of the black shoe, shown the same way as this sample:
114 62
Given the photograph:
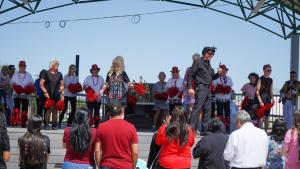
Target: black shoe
47 127
54 127
60 126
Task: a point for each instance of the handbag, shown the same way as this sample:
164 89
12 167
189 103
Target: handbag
155 164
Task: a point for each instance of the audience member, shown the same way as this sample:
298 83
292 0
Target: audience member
247 147
210 149
79 141
118 141
176 139
33 146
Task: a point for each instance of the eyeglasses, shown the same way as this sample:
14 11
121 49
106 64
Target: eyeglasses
268 70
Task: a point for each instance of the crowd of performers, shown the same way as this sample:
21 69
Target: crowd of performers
203 93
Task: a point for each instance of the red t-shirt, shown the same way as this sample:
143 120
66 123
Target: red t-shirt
116 137
82 158
173 156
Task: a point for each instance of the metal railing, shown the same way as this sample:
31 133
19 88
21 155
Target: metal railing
276 111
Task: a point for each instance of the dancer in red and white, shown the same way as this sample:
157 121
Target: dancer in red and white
175 87
222 89
92 85
22 83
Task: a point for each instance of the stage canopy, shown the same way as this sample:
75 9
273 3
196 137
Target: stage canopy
280 17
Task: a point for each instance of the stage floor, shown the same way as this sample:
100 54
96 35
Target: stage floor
58 152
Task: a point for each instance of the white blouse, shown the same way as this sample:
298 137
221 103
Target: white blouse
95 82
67 81
22 79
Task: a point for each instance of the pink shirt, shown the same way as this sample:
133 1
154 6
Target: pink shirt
291 144
249 90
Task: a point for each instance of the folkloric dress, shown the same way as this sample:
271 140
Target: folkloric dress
175 100
94 85
21 83
222 88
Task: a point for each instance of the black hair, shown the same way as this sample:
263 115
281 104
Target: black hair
32 143
72 65
279 129
80 131
178 127
162 73
10 67
253 74
114 108
215 125
208 49
41 73
266 66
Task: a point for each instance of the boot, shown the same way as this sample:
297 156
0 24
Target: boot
15 118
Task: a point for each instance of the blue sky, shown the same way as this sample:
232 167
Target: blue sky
155 44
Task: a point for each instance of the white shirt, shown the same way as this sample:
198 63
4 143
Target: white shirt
95 82
225 81
247 147
22 79
67 81
175 83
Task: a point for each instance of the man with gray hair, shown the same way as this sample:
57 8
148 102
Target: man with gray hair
247 147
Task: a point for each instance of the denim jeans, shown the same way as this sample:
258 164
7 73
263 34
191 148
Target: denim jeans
288 109
70 165
104 168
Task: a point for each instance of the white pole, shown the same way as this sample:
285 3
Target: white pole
294 65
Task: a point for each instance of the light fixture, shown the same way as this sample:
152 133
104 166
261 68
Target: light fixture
258 6
25 2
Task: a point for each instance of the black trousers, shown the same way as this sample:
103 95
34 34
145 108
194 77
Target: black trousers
246 168
73 103
213 109
21 104
94 110
223 111
40 107
202 104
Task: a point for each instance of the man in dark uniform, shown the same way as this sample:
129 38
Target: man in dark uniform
203 75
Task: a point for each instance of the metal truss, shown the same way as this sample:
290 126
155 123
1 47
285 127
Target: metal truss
273 16
29 7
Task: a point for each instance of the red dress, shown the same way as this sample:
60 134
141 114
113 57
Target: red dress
173 156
